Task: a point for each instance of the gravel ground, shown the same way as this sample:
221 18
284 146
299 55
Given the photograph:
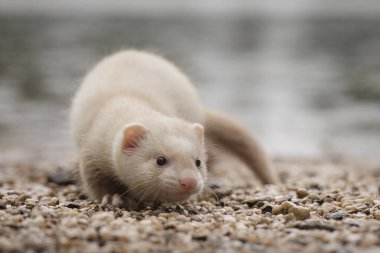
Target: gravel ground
322 207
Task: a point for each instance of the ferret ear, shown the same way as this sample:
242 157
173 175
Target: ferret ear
199 130
132 134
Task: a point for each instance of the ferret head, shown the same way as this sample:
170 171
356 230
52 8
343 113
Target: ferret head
162 161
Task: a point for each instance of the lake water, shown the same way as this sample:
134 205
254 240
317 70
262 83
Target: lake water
308 87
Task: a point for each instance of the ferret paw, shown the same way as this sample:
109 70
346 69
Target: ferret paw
114 200
217 190
117 200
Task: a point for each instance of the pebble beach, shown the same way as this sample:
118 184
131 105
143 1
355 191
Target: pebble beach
320 207
302 75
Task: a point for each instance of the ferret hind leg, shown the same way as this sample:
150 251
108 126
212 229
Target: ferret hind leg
226 171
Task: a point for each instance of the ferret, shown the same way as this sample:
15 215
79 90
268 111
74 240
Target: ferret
141 131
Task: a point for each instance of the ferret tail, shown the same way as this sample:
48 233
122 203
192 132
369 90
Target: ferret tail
230 135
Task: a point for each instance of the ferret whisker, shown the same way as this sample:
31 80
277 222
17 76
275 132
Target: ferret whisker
171 193
158 191
130 189
139 195
146 191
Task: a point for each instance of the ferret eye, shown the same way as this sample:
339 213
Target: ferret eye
198 162
161 161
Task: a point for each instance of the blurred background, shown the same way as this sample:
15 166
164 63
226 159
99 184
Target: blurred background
303 74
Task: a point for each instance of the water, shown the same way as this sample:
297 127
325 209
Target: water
308 87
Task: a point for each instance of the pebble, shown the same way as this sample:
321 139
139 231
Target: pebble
23 197
300 213
53 202
313 196
200 236
340 197
277 209
3 203
267 209
327 208
72 205
229 218
376 215
182 218
302 193
30 203
338 215
289 217
287 204
264 220
313 224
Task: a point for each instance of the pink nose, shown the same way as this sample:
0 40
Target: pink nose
188 183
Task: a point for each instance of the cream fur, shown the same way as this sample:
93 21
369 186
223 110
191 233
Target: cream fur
133 87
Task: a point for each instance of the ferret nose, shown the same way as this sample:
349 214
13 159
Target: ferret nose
188 183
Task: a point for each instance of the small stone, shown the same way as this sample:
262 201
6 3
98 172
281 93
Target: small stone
313 224
289 217
3 203
251 202
359 215
23 197
277 209
301 213
327 208
267 209
264 220
347 204
173 214
53 202
339 197
257 201
319 212
163 215
260 204
376 215
336 203
338 215
301 193
30 203
229 218
313 196
200 237
184 227
182 218
12 202
286 205
73 205
170 226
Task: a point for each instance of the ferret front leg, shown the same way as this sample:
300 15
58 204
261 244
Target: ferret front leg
217 190
120 201
114 200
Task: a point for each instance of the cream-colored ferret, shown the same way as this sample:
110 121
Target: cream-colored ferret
141 131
